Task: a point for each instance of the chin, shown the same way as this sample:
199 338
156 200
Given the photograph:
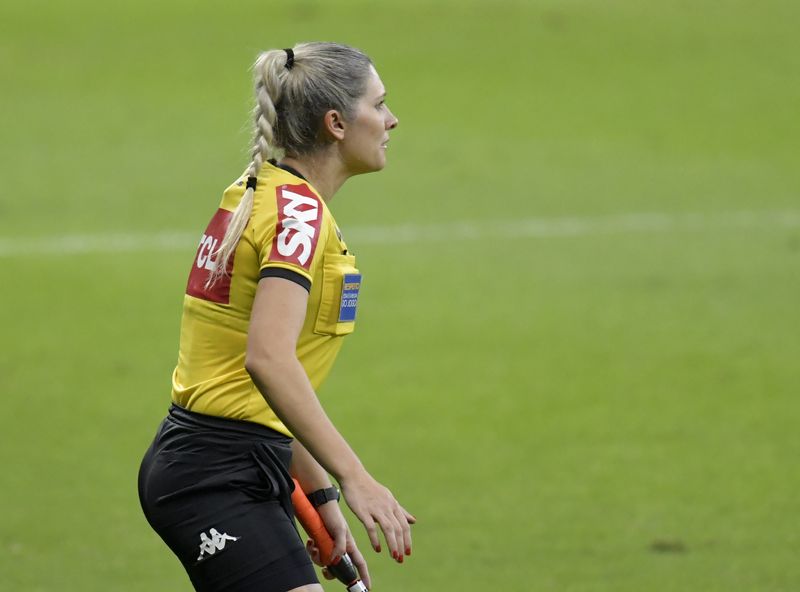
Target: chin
362 166
371 167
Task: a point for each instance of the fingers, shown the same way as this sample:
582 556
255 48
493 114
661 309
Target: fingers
405 532
337 527
358 561
316 557
339 543
392 536
396 531
313 552
376 507
372 531
355 555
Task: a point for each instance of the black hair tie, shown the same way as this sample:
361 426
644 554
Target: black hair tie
251 183
289 58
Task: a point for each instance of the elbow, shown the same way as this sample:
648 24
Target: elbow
256 366
252 366
262 363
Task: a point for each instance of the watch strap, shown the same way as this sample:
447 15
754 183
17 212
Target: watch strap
323 496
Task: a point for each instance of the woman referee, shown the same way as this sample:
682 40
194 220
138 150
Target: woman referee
272 290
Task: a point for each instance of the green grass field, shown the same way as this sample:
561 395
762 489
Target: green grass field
578 341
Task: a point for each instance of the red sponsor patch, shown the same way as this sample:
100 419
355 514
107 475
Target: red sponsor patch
203 263
299 221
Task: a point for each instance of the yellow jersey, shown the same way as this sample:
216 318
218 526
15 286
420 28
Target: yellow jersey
291 234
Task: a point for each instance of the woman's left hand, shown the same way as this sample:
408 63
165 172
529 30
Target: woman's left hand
337 526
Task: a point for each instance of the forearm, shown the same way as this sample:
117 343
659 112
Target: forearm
305 468
284 384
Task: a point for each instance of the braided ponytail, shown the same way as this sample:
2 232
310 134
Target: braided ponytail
267 72
294 88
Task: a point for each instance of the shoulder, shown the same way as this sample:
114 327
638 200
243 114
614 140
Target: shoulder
290 203
289 220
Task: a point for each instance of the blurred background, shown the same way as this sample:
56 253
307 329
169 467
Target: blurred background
577 351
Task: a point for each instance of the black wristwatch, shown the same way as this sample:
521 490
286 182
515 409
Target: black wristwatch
323 496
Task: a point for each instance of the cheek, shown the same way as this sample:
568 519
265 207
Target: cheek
378 126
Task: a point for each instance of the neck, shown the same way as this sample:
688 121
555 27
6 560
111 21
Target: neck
324 173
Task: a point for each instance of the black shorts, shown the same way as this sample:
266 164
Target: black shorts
218 492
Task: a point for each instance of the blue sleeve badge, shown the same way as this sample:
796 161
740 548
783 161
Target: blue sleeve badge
350 287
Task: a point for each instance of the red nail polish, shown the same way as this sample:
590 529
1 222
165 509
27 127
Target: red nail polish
399 558
378 549
408 551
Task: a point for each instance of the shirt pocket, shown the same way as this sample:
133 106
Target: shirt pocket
341 283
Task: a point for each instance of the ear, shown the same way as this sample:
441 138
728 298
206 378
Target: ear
334 125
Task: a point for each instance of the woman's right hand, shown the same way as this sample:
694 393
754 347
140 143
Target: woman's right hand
375 506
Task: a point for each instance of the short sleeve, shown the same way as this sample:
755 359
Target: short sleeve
287 225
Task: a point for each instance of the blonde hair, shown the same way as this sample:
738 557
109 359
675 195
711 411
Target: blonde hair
294 88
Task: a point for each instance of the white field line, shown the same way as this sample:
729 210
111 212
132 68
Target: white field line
521 228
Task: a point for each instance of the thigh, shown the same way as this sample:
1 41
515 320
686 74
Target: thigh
237 544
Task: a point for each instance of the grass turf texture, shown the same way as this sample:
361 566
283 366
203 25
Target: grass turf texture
614 411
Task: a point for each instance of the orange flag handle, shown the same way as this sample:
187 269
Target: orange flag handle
312 523
309 518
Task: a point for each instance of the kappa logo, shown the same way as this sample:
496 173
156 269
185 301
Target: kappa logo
210 545
299 219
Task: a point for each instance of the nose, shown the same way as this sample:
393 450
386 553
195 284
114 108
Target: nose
392 121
